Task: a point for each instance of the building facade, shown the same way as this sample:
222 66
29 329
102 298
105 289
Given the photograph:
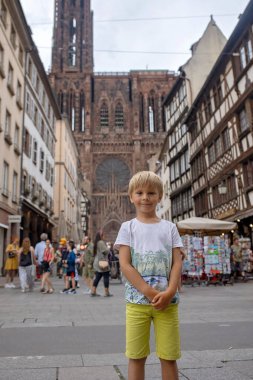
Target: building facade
221 134
174 157
66 184
116 118
13 41
40 114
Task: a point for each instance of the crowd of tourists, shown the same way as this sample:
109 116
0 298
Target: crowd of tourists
90 260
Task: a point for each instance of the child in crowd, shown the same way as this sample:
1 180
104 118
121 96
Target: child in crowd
151 261
71 268
64 255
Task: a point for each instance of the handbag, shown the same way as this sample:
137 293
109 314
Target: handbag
11 255
103 264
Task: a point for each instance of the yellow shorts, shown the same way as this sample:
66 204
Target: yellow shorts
166 327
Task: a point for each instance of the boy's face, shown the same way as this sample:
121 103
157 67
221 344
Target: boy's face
145 200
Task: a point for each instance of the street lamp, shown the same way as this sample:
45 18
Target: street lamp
222 188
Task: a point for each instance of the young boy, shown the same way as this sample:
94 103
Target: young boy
150 259
71 269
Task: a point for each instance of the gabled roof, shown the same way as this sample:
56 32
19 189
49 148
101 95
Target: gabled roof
225 55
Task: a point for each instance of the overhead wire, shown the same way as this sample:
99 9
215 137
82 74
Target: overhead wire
142 51
143 19
146 18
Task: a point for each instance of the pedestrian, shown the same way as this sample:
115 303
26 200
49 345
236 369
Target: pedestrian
71 267
151 261
77 266
87 263
64 254
48 261
101 265
11 264
236 251
39 252
27 259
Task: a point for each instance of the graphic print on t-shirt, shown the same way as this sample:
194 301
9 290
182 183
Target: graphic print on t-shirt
151 254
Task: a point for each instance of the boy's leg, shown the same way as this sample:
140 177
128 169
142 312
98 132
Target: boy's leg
138 321
73 281
66 282
169 369
136 369
167 336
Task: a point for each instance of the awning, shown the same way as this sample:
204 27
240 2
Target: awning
4 226
205 224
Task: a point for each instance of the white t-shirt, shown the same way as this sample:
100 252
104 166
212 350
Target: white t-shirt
151 253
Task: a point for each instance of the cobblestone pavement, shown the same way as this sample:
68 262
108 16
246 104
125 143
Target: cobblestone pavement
61 336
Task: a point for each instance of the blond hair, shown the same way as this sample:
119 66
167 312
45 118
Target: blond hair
145 179
26 244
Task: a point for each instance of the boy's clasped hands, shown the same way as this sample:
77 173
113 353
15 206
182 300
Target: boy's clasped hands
160 299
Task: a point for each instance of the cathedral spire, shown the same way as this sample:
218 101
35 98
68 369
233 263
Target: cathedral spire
72 37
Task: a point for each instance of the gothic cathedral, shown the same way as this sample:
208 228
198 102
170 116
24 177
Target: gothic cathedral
116 118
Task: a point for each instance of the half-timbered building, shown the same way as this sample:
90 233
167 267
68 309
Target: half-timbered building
174 157
221 133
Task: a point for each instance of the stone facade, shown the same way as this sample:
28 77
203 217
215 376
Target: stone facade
66 183
116 118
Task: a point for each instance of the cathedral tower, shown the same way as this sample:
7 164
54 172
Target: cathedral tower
116 118
72 50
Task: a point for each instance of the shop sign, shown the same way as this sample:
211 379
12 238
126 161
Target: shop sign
14 218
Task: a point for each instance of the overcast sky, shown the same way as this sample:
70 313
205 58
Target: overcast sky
160 26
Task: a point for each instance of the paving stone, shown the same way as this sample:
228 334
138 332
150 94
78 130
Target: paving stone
223 355
52 361
8 325
188 360
88 373
106 359
244 367
28 374
213 373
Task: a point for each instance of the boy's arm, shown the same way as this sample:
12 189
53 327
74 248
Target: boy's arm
163 299
176 271
132 275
